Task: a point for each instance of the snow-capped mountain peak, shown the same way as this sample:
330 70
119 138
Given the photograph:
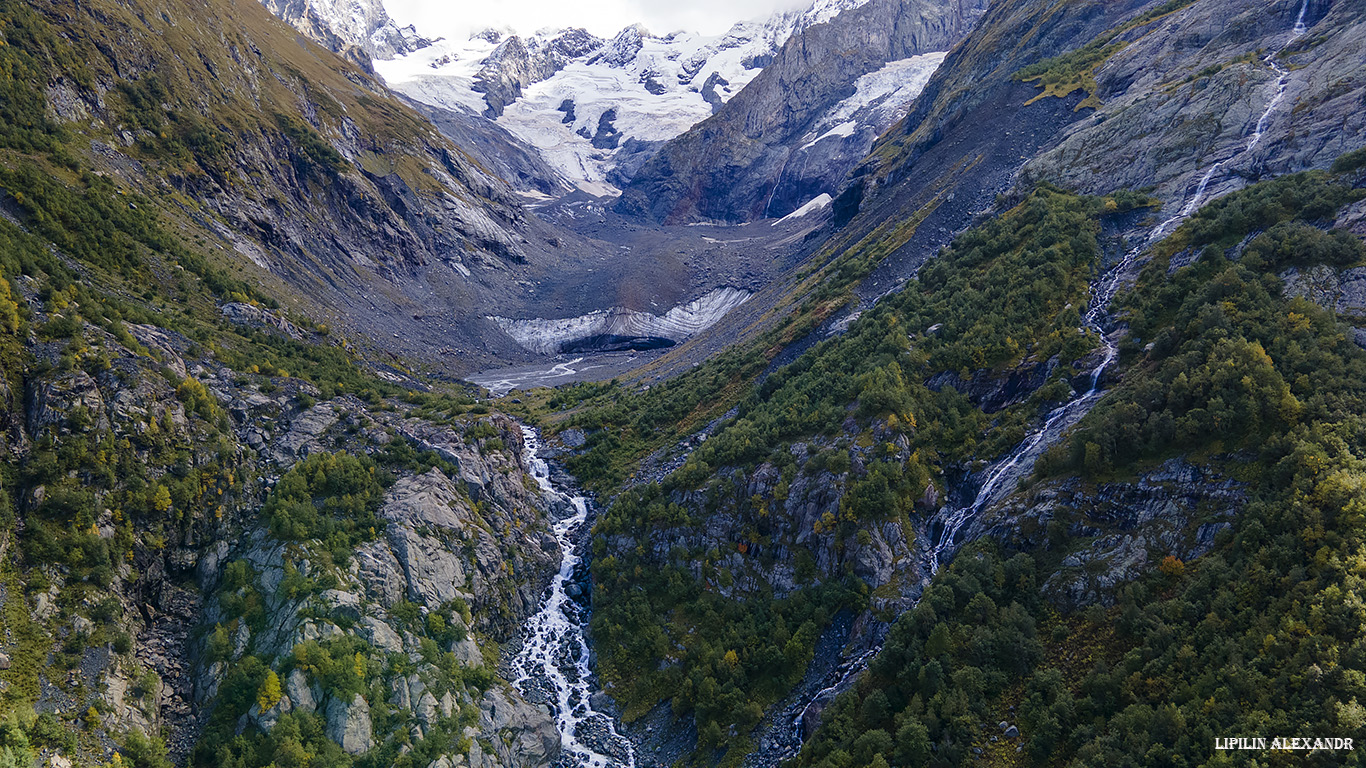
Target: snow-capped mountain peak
342 24
622 49
592 106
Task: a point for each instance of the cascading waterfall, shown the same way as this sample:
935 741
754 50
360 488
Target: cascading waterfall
1001 475
553 662
1021 459
1259 130
776 184
1282 75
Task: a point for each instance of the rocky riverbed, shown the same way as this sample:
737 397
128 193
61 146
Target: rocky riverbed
553 665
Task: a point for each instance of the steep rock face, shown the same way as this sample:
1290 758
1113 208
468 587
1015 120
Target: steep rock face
296 161
1197 87
728 166
478 566
495 149
1186 78
1114 532
517 63
339 25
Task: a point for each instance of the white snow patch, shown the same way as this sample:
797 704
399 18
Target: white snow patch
880 98
841 130
814 204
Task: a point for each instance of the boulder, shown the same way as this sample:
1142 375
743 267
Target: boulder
381 635
299 691
535 739
467 651
348 724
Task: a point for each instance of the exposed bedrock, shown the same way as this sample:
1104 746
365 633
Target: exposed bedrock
726 167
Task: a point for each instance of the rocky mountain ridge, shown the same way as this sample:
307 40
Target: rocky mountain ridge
1037 124
735 165
350 24
334 189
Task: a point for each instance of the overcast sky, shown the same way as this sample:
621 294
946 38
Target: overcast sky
448 18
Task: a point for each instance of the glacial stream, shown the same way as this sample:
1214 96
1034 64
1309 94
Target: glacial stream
552 666
1001 478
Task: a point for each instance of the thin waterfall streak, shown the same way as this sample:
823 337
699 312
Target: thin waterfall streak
1103 292
776 184
1098 315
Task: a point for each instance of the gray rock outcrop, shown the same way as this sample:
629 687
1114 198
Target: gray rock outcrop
1116 531
348 724
517 63
726 167
1164 125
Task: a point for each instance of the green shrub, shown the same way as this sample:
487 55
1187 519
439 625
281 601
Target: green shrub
144 752
329 497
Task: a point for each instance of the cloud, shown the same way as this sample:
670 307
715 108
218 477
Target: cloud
601 17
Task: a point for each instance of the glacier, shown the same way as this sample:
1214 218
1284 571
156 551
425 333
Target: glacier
619 328
603 110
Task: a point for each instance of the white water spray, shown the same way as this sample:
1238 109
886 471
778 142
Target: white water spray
555 653
1282 77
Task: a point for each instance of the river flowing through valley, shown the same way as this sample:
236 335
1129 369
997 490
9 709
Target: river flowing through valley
553 664
555 658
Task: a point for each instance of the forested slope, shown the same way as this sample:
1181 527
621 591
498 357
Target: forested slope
1261 635
817 492
196 463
